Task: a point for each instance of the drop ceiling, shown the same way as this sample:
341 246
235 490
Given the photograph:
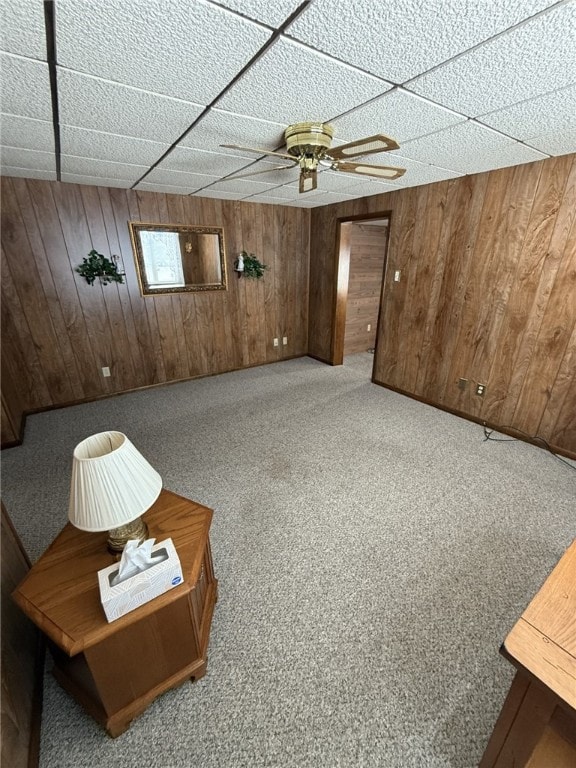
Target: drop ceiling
141 94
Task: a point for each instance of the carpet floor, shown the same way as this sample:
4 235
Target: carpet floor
372 554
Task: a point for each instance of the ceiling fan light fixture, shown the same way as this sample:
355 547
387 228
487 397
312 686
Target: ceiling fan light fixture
308 139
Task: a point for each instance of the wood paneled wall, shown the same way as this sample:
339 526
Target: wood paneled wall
367 258
58 331
488 294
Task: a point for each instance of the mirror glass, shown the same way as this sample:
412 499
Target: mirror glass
177 257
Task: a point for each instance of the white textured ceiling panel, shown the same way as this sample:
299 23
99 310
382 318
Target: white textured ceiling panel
95 181
188 181
218 127
88 102
27 173
83 142
450 145
27 158
535 58
557 143
180 49
199 161
398 114
499 157
241 186
401 39
417 173
23 28
545 114
268 171
27 133
274 14
291 83
82 166
352 183
25 87
219 195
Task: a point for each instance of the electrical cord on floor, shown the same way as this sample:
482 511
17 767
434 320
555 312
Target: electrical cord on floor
535 438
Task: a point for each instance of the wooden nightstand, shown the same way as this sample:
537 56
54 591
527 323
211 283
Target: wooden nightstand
116 670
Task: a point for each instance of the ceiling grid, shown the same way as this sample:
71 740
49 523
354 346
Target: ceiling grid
147 91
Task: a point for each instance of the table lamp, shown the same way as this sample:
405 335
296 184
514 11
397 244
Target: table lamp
112 485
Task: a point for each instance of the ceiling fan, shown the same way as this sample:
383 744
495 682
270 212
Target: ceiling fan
308 145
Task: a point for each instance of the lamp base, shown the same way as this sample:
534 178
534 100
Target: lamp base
117 537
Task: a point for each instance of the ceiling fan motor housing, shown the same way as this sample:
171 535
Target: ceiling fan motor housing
308 139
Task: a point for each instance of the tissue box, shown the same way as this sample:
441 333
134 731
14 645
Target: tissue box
142 587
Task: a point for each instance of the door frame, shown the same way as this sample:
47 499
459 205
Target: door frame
342 259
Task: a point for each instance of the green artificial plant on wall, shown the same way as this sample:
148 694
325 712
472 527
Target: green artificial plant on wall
248 265
98 266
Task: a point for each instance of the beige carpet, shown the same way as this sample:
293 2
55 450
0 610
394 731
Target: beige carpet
372 554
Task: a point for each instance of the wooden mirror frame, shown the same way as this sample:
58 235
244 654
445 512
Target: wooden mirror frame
211 258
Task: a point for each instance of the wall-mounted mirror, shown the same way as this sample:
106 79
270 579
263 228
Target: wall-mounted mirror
177 257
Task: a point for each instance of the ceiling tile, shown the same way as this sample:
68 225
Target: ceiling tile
83 166
398 114
352 184
161 46
499 157
219 195
83 142
265 199
221 127
27 158
562 142
200 161
95 181
273 14
25 87
417 173
189 181
88 102
533 59
241 186
27 173
291 83
269 173
401 39
545 114
165 188
447 147
27 133
23 28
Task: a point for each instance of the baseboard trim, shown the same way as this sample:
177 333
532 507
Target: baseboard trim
555 449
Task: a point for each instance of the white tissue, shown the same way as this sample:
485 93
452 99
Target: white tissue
136 558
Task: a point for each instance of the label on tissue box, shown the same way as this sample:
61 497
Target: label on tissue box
144 586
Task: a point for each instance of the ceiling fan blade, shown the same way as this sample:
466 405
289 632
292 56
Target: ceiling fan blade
259 151
255 173
308 181
381 171
367 146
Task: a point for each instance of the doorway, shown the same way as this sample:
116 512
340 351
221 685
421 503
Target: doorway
362 246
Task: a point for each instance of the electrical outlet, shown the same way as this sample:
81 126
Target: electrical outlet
462 383
369 327
106 372
275 342
284 340
481 389
397 274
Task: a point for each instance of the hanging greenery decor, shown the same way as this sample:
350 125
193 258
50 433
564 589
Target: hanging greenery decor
250 265
97 265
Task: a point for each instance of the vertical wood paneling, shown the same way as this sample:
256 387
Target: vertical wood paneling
58 331
488 293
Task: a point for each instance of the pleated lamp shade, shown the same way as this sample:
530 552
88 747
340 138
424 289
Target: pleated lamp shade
112 483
